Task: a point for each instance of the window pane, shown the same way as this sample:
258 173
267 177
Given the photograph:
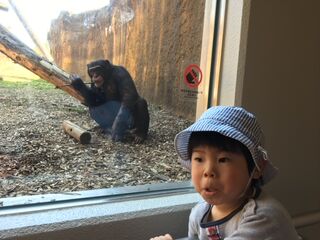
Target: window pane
157 42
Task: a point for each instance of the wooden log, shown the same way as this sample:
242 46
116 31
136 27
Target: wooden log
25 56
77 132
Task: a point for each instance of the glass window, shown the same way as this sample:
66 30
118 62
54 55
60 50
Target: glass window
52 139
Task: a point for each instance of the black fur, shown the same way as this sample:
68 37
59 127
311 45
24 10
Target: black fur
118 86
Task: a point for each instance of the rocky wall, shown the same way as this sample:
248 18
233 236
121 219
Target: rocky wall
154 39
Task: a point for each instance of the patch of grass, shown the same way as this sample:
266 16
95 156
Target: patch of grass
16 76
11 70
36 83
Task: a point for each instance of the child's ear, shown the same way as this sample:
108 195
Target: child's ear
257 173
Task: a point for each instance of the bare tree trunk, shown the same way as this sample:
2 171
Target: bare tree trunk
25 56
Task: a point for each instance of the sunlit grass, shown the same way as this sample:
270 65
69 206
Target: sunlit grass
36 83
13 75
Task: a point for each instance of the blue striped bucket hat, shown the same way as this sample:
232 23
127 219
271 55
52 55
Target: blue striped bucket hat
233 122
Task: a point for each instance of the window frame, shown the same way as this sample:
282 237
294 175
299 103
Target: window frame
16 213
210 64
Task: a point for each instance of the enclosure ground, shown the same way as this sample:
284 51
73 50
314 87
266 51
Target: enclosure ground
37 156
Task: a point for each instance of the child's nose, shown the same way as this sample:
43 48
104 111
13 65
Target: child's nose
209 174
210 171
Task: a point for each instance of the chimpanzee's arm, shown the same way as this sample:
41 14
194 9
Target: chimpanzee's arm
127 89
92 98
142 119
128 97
131 101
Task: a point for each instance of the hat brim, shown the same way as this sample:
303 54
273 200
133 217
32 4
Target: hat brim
181 141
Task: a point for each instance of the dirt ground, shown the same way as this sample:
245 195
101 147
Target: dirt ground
37 156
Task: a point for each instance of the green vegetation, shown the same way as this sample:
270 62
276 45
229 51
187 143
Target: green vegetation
18 83
13 75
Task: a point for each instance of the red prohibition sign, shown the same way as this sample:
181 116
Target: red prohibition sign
193 76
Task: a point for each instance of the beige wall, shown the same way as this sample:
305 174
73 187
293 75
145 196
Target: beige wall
278 78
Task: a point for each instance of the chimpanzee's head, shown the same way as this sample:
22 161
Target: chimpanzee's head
99 72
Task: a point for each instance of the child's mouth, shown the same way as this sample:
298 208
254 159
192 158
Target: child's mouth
210 192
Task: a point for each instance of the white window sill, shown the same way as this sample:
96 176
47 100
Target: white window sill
105 207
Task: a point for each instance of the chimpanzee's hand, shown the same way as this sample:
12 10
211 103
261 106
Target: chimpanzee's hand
137 137
76 82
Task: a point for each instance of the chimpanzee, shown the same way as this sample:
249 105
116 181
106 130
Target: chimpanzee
113 100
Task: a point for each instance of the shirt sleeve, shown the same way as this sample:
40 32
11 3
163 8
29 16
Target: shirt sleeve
192 229
195 217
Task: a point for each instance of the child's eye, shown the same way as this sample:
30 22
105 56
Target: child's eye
197 159
223 160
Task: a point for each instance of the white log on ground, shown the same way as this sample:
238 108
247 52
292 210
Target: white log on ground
77 132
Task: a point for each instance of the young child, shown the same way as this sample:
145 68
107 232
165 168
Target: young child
228 166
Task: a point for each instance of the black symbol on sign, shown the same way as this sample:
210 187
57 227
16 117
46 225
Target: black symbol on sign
191 76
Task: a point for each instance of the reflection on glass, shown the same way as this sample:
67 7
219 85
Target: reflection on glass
158 42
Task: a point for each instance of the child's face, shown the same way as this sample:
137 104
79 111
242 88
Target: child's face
219 176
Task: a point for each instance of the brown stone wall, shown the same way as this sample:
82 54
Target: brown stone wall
154 39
